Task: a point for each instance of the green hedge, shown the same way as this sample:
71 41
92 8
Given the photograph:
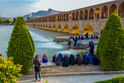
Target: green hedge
119 79
111 44
21 45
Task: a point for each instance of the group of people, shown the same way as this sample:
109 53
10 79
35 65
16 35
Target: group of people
77 40
66 60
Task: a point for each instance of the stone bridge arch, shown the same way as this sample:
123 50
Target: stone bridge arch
97 13
46 27
88 28
85 14
50 28
54 27
59 29
81 15
112 8
41 26
121 9
75 29
104 12
66 28
91 13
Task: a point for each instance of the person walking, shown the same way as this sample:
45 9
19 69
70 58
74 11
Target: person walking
37 68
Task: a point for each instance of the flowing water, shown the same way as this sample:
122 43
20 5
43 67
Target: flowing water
43 42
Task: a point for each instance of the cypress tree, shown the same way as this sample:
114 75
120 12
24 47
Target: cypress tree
111 44
21 45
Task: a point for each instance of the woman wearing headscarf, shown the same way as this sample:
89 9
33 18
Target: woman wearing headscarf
72 60
78 59
44 59
65 62
61 57
37 68
54 58
58 60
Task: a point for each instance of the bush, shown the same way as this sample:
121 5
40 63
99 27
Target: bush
9 73
21 45
119 79
111 44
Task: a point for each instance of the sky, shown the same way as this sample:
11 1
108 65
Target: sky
14 8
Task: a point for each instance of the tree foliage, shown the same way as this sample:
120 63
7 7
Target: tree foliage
111 44
21 45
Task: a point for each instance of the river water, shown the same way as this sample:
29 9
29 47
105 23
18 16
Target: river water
43 42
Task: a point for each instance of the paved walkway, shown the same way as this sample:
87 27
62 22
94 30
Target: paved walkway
69 79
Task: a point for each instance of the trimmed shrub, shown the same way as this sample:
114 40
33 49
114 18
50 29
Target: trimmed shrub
111 44
117 79
9 73
21 45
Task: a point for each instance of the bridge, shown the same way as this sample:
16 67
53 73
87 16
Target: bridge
90 19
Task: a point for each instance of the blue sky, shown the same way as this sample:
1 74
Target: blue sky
13 8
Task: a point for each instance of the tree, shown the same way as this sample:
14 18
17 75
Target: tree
111 44
21 46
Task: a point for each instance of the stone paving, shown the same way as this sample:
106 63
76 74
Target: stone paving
69 79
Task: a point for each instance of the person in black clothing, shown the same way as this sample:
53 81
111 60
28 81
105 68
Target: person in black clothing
86 36
65 62
79 37
75 42
95 60
54 58
82 37
78 60
72 60
91 45
85 60
61 57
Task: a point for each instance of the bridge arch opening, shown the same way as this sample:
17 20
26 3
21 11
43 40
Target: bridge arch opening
59 28
91 14
97 13
50 27
85 14
88 28
46 27
121 10
77 15
43 26
112 8
54 27
73 16
75 29
81 15
104 12
66 28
